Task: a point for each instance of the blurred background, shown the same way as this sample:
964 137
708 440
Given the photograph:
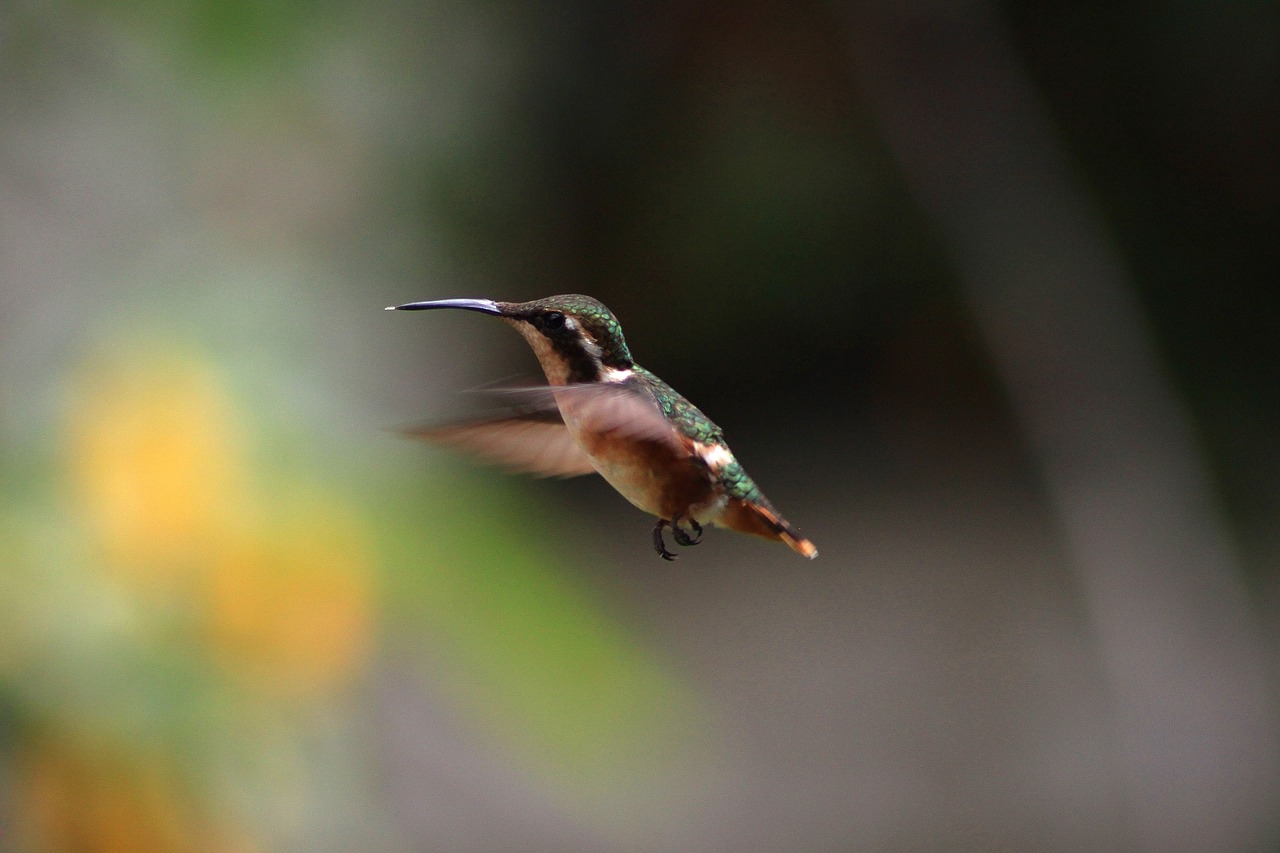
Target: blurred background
977 290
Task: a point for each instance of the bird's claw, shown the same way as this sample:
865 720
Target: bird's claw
658 544
681 535
678 533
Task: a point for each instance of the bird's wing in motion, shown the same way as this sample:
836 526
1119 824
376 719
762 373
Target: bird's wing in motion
531 436
533 442
626 408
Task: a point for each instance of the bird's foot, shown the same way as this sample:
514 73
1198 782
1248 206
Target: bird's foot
681 535
658 544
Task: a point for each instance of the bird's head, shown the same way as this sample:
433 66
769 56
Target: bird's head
575 337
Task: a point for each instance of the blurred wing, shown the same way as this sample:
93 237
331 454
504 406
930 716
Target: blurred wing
534 442
625 408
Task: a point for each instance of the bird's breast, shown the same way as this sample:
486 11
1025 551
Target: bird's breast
652 475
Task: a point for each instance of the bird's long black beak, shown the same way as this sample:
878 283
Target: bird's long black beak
484 306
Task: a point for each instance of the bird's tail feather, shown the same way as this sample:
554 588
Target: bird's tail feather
762 520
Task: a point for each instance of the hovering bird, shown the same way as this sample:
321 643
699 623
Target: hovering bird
602 412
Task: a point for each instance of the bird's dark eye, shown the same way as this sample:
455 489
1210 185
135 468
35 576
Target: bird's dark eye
553 322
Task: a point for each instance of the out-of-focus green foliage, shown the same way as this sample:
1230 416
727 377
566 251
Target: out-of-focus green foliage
175 605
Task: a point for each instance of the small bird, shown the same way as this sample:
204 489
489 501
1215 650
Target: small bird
602 412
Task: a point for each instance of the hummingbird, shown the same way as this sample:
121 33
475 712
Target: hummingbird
602 413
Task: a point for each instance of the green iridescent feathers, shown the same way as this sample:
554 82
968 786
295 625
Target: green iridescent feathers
689 420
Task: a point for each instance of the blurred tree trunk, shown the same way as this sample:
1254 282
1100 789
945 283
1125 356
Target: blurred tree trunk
1194 714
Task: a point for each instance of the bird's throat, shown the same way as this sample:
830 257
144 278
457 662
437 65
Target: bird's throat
567 362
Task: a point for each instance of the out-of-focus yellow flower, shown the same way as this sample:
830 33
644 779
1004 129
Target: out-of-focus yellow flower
155 462
290 606
160 472
76 800
271 593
